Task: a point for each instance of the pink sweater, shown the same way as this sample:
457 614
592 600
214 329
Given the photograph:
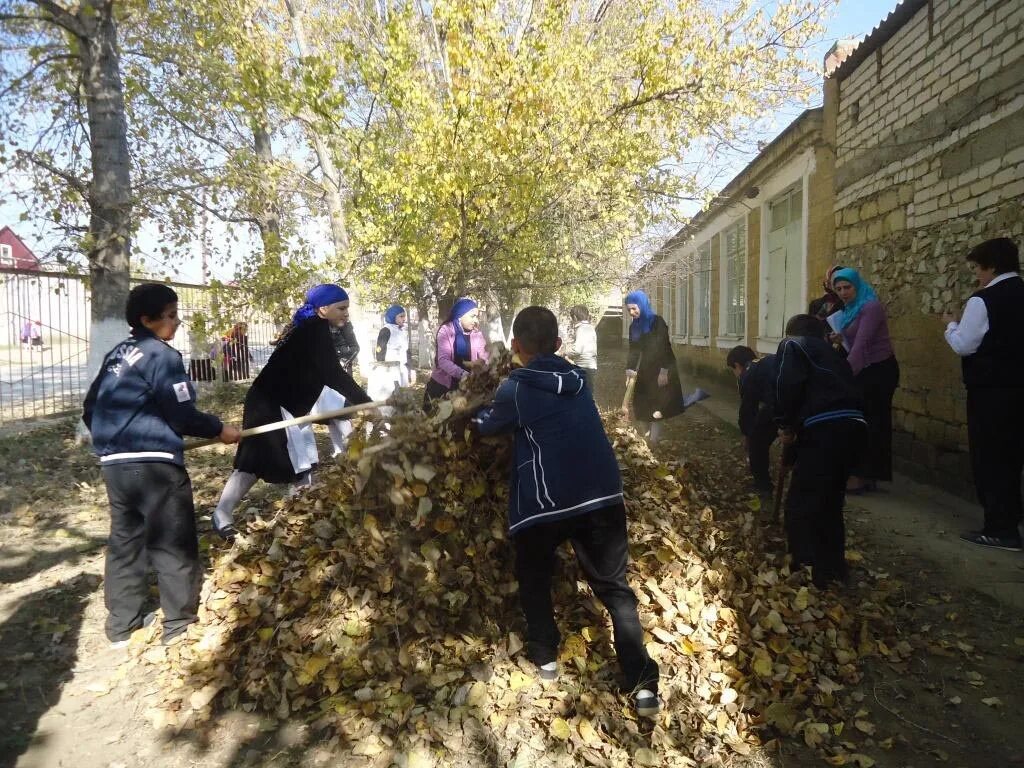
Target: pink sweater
868 337
446 371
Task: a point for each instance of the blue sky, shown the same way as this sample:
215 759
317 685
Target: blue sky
852 18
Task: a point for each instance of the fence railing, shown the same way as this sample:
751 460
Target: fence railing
44 341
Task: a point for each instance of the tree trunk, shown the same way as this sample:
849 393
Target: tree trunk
267 213
110 189
331 179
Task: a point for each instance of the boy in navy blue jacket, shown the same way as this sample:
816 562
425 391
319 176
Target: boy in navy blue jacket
818 408
756 377
137 409
565 485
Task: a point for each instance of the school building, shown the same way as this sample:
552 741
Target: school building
916 154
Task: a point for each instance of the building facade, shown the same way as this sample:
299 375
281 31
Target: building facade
916 155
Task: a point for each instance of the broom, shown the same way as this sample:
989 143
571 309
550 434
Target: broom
298 420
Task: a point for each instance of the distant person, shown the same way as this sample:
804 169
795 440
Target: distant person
583 350
26 335
652 363
346 345
864 327
460 346
988 340
36 336
392 359
236 354
818 410
829 303
756 379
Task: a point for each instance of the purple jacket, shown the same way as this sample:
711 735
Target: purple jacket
446 371
868 337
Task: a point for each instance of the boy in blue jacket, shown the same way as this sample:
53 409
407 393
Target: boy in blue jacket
819 411
137 409
565 485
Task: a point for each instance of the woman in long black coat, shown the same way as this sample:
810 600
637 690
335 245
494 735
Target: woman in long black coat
304 362
652 362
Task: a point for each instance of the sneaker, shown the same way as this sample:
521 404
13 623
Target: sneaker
646 703
548 671
227 532
992 542
147 622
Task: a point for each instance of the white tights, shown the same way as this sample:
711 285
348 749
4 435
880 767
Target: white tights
234 491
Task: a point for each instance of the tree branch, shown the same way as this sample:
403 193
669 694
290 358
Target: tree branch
70 179
61 17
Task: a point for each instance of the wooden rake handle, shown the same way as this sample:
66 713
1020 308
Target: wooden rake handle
297 421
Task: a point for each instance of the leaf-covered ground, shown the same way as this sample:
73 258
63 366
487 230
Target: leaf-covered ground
339 632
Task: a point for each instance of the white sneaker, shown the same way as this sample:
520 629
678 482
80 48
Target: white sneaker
646 703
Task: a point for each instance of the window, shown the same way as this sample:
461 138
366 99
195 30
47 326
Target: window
735 288
702 292
682 314
6 256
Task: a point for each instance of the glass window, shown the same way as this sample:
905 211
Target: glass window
736 279
702 292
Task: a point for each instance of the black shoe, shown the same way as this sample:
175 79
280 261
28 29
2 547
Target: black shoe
227 533
992 542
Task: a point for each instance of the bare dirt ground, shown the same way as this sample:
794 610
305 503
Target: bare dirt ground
67 700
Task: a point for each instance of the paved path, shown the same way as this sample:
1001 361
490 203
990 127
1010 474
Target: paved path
918 519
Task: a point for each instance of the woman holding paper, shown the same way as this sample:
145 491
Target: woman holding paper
864 327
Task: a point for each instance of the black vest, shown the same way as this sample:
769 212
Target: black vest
999 361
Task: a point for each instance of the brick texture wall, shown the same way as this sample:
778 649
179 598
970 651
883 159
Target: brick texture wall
929 160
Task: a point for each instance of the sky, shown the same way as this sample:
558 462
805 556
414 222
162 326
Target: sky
852 18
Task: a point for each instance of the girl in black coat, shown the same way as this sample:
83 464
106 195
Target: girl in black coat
653 363
304 362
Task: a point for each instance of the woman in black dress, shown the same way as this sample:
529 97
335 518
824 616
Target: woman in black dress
304 362
653 364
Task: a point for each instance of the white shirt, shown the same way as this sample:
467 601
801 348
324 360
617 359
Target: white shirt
965 337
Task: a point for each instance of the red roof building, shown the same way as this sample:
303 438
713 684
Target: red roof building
14 254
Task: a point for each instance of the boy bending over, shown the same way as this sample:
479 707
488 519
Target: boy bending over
565 485
818 408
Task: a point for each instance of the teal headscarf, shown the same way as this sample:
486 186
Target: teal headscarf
865 293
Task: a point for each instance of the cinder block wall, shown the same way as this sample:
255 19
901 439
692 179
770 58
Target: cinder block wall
928 134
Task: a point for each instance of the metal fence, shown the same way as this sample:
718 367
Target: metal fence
44 342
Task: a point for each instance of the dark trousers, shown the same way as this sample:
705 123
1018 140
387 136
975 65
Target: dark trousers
825 455
599 540
590 375
434 390
878 384
995 433
759 444
152 518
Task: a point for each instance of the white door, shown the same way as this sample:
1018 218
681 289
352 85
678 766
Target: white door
783 296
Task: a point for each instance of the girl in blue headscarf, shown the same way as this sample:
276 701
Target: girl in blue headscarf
864 328
460 345
392 361
652 363
302 365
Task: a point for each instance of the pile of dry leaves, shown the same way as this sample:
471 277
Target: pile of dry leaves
380 606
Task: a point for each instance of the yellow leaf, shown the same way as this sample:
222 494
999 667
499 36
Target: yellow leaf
266 633
800 602
588 733
865 727
517 680
560 729
645 756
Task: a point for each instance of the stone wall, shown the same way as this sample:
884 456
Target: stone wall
929 139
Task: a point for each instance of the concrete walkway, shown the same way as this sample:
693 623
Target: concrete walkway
909 519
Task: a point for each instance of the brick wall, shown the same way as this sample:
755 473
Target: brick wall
928 133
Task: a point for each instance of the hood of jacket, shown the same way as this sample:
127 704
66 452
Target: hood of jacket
553 374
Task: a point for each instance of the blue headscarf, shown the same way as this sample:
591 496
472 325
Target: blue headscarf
864 294
463 349
321 296
393 312
645 322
